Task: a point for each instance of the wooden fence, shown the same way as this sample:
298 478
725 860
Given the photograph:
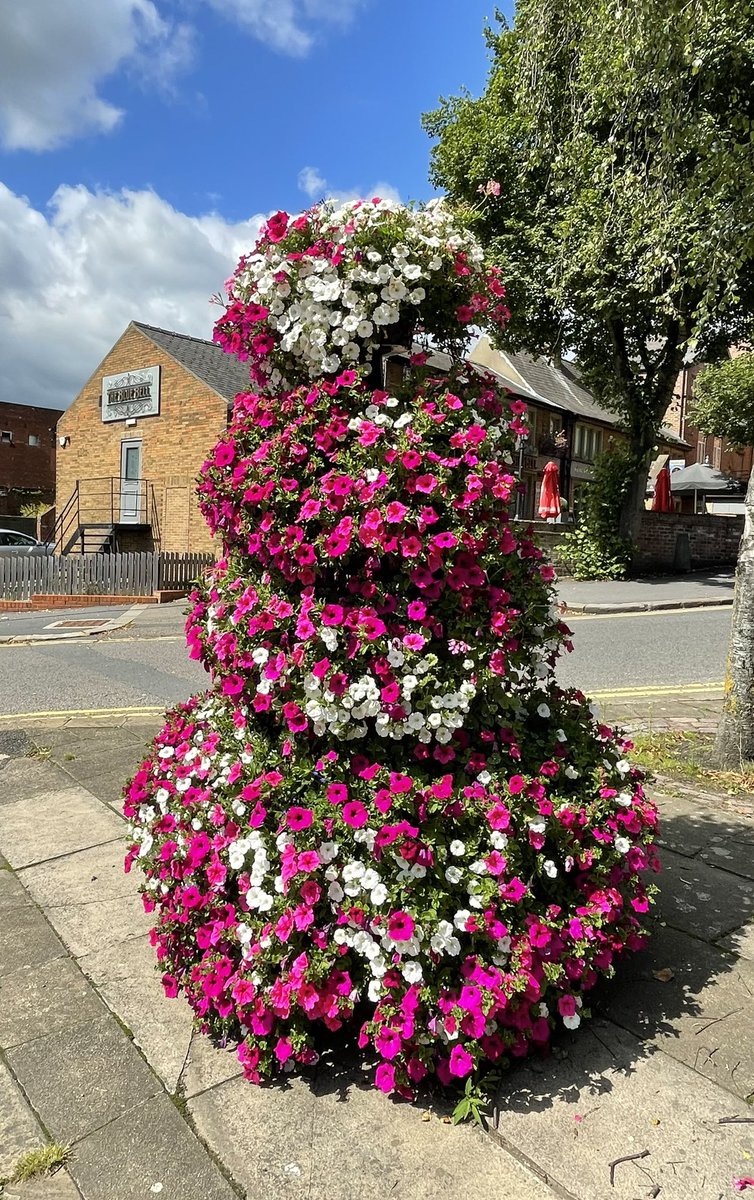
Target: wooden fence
25 575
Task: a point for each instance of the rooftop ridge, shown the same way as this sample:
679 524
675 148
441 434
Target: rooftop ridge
189 337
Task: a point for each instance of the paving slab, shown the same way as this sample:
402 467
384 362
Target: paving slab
611 1097
24 777
19 1129
58 1186
340 1138
124 760
701 1016
207 1065
126 975
27 940
734 854
109 786
686 826
151 1145
740 942
79 1079
88 898
700 900
12 894
54 823
39 1000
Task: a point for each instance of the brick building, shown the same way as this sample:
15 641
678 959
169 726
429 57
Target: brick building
566 422
27 455
133 441
702 446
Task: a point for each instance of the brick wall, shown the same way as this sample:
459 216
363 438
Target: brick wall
667 542
711 540
26 468
175 443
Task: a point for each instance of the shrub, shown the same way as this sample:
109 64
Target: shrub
593 550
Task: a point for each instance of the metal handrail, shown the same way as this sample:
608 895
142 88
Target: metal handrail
64 521
106 501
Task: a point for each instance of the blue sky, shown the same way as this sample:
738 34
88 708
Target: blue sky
143 141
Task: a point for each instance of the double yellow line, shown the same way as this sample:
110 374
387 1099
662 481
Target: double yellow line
636 693
684 689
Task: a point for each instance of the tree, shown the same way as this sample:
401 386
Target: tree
385 806
609 169
37 509
724 405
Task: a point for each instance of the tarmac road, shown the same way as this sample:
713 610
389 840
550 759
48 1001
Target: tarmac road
145 664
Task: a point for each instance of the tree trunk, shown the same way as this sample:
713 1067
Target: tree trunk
735 734
646 392
629 520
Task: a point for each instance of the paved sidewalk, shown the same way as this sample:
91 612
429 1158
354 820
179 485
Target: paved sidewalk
93 1053
56 624
653 593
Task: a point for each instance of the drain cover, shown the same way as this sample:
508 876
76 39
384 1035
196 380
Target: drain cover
91 623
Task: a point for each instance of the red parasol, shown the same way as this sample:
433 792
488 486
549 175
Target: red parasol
663 501
549 497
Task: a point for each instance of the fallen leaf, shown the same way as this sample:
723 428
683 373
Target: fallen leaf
578 1117
664 975
742 1184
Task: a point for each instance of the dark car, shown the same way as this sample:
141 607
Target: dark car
13 542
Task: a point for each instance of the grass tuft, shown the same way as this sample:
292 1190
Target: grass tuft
690 756
43 1161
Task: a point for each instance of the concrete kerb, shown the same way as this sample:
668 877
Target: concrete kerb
61 635
639 606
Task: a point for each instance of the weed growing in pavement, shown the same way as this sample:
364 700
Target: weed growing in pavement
45 1160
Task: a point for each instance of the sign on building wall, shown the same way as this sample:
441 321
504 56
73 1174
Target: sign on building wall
131 394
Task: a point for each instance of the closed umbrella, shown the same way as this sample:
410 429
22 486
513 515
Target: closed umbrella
663 501
549 497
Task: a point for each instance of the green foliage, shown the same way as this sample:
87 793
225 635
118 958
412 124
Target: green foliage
593 550
621 137
476 1099
724 400
35 508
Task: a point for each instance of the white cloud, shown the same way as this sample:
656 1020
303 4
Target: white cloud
288 25
313 184
55 53
73 276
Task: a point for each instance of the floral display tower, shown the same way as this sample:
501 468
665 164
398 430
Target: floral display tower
385 809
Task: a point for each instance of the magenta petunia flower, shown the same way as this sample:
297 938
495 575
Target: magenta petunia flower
337 793
355 814
401 926
299 818
461 1062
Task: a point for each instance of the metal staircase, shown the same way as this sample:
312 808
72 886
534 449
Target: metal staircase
90 519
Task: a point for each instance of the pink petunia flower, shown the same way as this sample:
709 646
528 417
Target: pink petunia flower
355 814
